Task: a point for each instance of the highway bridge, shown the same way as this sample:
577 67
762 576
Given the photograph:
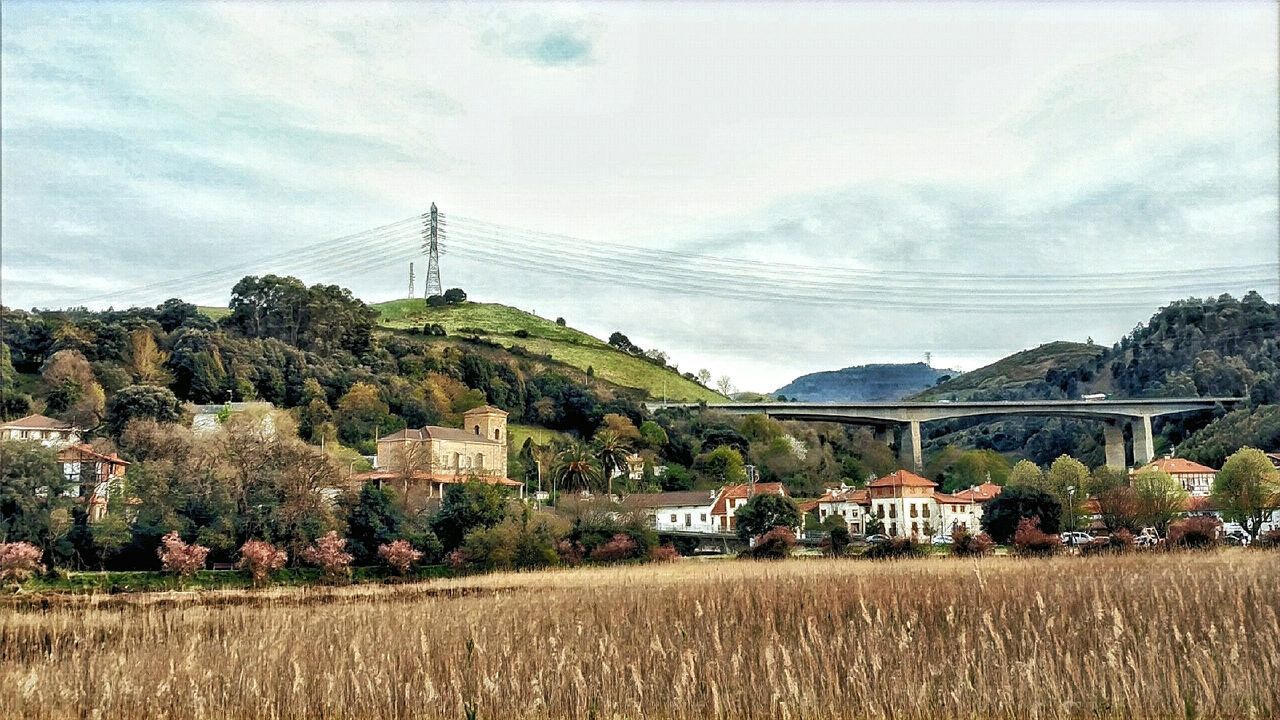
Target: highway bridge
887 417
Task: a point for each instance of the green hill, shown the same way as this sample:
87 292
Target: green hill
1018 374
512 327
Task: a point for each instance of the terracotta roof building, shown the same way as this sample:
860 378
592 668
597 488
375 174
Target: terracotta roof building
1196 479
433 457
45 430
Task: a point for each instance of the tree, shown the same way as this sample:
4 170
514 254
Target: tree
362 416
453 296
181 558
466 507
765 511
399 555
1119 508
31 495
261 559
329 554
1247 489
145 360
653 434
1068 479
1001 515
139 402
576 467
1026 473
723 464
374 520
704 377
725 385
1160 498
612 451
72 390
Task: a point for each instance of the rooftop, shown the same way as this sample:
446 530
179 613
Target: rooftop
679 498
38 422
433 432
1177 466
901 478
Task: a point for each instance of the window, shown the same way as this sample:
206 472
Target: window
688 519
497 434
880 512
893 511
913 510
704 517
477 429
673 518
926 511
457 460
480 460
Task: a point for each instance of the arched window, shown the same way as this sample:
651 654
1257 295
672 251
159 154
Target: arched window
497 434
913 510
477 429
457 460
480 460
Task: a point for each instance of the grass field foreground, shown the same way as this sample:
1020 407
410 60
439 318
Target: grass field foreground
1128 637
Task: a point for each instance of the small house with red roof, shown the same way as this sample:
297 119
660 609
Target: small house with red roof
1196 479
732 497
849 503
49 432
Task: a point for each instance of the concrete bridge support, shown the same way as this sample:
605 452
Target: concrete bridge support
1113 434
911 449
1144 445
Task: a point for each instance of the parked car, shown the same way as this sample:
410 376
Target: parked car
877 539
1148 538
1076 538
941 540
1238 538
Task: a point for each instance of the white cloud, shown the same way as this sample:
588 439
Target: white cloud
977 138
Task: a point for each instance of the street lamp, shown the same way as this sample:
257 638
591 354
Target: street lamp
1071 504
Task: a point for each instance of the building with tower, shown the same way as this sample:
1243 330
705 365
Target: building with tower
432 457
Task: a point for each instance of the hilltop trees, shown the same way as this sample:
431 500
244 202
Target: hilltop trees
137 402
1247 489
321 318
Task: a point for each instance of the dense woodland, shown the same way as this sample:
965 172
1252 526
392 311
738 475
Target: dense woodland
318 354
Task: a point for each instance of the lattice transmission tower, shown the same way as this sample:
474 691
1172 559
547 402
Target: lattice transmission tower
432 234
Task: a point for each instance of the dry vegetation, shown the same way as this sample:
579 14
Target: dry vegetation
1128 637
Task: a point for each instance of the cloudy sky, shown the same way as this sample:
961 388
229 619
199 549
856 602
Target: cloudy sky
935 151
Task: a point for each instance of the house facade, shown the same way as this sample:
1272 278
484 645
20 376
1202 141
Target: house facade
685 510
904 503
732 497
432 457
47 431
1196 479
91 477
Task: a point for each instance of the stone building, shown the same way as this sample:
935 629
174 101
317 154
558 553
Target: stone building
433 457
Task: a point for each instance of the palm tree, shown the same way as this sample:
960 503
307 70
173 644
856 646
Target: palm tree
577 467
612 451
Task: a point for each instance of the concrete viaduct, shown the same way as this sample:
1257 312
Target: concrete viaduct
907 416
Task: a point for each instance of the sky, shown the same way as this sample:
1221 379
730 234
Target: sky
152 142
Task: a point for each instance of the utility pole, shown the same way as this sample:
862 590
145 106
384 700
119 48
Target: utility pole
431 234
411 279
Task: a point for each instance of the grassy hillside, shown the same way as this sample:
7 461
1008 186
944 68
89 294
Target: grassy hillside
214 312
510 326
1014 372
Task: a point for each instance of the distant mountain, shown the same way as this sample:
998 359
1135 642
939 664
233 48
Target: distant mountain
864 383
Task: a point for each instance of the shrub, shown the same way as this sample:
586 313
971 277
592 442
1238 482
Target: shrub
1121 541
776 544
967 544
1194 533
570 552
894 548
329 554
837 541
456 559
619 547
1031 540
178 557
399 555
664 553
261 559
1269 540
19 561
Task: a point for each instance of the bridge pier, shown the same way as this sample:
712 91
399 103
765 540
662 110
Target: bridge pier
1144 445
1113 434
910 449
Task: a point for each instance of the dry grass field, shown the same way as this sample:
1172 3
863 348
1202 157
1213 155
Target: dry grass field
1148 636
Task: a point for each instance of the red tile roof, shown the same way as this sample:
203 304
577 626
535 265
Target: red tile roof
432 432
486 409
38 422
946 499
1177 466
75 453
676 498
734 492
853 495
980 493
901 478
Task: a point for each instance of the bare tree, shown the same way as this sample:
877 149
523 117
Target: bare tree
725 385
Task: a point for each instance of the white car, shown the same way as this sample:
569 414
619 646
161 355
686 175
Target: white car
1076 538
942 540
1238 538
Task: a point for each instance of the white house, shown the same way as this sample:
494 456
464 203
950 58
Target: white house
47 431
732 497
849 503
206 419
685 510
